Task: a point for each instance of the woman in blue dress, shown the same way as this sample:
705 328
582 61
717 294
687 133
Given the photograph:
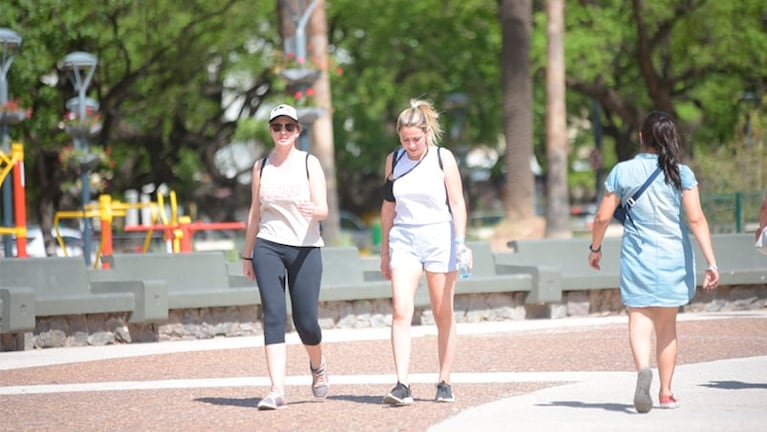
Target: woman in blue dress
657 261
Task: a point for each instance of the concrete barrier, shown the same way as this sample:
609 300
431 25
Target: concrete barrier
195 279
33 287
146 288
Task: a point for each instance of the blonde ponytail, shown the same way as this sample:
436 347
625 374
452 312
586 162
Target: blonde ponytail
421 114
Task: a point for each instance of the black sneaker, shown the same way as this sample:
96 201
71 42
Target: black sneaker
444 393
399 396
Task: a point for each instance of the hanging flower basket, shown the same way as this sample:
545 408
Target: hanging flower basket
82 131
308 115
75 127
96 160
11 113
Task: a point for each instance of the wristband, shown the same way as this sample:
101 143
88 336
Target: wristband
597 250
712 268
247 258
458 241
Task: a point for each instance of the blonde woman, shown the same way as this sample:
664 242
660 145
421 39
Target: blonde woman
423 220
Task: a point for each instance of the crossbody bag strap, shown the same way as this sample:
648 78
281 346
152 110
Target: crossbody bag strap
632 199
394 163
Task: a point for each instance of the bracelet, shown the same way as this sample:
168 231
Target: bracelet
712 268
458 241
247 258
597 250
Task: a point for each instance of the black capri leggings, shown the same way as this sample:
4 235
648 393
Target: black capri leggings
272 262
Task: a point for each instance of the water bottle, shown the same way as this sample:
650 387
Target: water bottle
462 259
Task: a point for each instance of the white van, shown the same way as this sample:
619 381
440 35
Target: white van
72 238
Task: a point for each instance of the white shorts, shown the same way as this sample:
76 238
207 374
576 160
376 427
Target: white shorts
431 245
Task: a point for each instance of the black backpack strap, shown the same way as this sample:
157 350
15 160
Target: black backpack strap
263 164
396 156
447 198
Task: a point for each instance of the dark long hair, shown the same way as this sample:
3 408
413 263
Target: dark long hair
659 132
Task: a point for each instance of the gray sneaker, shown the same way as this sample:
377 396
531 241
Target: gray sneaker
642 398
320 380
274 400
444 393
399 396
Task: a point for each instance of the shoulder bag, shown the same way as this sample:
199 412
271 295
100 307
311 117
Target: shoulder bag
622 212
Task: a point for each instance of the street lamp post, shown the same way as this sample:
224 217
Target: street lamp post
80 67
301 78
9 44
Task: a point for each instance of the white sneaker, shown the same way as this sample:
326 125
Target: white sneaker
274 400
320 383
642 398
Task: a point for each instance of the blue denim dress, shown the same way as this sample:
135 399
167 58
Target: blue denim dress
657 257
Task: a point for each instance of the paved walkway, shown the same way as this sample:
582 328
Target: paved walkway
565 375
724 395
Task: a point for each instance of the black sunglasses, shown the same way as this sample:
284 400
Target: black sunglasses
277 127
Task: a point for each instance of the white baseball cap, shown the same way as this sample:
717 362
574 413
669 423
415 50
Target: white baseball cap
283 110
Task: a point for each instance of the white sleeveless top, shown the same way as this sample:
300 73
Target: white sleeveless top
282 188
419 190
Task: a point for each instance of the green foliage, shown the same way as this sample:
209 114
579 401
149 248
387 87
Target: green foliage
159 81
434 49
739 165
178 81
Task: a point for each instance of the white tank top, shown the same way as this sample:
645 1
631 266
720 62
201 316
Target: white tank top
281 189
419 190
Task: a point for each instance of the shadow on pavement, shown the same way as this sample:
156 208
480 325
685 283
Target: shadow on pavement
579 404
372 400
245 403
734 385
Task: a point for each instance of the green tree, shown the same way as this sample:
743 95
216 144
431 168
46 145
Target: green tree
172 81
693 59
393 50
178 82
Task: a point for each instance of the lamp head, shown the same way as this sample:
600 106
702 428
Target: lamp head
9 39
78 60
79 67
90 104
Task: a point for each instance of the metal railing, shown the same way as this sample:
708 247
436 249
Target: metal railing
734 212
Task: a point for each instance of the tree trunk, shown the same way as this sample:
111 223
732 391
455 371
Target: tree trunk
285 11
516 27
558 202
322 130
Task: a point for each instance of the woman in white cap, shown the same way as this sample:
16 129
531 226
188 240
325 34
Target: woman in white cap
282 244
